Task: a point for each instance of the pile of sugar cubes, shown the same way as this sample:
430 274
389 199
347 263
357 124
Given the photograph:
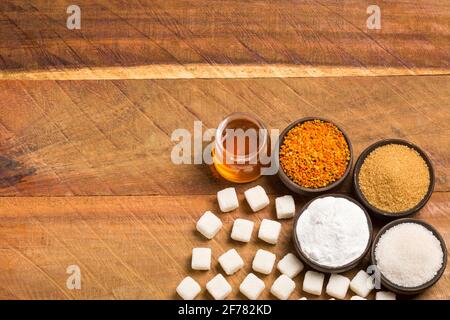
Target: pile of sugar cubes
264 261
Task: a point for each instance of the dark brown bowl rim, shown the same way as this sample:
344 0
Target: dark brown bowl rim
296 187
410 290
320 267
380 212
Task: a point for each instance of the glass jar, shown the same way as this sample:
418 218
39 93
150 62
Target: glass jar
240 143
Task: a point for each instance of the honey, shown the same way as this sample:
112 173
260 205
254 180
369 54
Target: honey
240 141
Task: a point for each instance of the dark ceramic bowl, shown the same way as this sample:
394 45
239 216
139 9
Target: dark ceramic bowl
406 290
323 268
378 212
294 187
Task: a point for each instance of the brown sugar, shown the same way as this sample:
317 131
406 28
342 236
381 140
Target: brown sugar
394 178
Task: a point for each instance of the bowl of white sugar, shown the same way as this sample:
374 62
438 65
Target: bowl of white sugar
332 233
410 255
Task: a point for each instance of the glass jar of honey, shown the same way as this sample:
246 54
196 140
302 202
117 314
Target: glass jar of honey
240 143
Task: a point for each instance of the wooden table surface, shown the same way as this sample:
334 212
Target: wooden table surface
86 120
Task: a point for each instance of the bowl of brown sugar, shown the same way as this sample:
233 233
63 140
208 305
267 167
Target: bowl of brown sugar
393 178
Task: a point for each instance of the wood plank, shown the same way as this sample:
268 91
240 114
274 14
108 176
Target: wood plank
114 137
136 247
211 38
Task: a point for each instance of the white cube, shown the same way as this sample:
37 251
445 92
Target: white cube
313 282
290 265
242 230
283 287
252 286
257 198
201 259
209 224
269 231
231 261
385 295
218 287
228 200
362 284
357 298
188 289
337 286
263 261
285 207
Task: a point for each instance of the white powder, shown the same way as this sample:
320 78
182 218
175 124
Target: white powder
333 231
409 255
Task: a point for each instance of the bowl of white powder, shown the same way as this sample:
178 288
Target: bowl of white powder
332 233
410 255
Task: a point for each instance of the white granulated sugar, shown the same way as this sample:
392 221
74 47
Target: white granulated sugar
333 231
409 255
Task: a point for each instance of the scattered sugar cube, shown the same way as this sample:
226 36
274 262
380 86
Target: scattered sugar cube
228 200
285 207
218 287
362 284
269 231
242 230
357 298
257 198
337 286
385 295
201 259
282 287
263 261
252 286
209 224
231 261
188 289
313 282
290 265
304 298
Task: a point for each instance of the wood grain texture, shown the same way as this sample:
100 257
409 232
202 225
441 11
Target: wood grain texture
114 137
85 170
137 247
86 176
213 38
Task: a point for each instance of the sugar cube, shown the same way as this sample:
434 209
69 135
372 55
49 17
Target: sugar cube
283 287
385 295
337 286
313 282
285 207
269 231
228 200
218 287
252 286
290 265
209 224
263 261
231 261
303 298
188 289
256 198
201 259
357 298
242 230
362 284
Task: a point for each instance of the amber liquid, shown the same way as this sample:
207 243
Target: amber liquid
248 167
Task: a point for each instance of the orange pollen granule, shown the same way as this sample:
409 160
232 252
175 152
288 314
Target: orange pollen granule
314 154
